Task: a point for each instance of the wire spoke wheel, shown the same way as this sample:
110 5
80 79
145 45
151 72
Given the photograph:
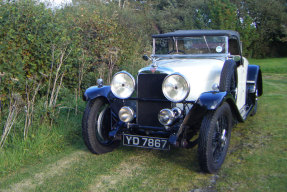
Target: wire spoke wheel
98 121
214 137
219 138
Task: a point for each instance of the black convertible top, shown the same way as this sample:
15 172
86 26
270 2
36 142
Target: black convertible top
188 33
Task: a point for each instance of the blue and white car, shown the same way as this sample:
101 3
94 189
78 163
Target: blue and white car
196 88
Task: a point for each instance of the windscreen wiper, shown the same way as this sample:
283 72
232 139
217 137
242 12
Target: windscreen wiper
206 43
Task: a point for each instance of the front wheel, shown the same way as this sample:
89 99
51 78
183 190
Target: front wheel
214 137
97 122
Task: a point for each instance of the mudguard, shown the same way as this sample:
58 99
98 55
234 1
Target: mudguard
105 92
210 101
254 76
95 92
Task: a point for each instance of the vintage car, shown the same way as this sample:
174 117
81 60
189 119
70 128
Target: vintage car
197 87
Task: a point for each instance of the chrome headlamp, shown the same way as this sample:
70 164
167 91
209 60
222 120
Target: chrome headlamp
123 85
175 87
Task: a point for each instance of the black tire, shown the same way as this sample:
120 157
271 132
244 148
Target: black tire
97 137
254 110
228 78
213 140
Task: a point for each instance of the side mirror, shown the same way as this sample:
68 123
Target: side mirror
145 57
237 59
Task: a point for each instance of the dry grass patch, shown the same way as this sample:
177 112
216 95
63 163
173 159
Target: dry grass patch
49 171
118 176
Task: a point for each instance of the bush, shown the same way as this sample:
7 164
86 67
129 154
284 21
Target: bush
45 54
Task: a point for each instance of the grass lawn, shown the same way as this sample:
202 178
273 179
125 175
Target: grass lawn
277 65
256 160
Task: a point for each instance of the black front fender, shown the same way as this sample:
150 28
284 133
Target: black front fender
210 101
95 92
105 92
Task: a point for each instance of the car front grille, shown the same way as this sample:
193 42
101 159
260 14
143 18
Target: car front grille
150 87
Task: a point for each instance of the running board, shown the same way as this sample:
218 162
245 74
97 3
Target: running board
245 110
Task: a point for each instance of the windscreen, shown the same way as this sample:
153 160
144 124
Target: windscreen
190 45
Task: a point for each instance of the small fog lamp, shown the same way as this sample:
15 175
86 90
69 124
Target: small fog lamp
126 114
166 117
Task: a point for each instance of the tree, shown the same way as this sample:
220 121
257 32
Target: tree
269 18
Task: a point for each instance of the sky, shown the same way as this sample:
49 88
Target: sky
56 3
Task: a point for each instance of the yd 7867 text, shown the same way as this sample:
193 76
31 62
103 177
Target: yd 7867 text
145 142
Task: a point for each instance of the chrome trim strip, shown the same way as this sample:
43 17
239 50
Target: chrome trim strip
159 100
210 55
153 46
226 45
158 70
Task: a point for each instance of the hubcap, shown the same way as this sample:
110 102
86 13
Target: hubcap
223 138
103 125
100 123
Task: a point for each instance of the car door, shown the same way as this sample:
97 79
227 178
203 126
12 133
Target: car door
241 89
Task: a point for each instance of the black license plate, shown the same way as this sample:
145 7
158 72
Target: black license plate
146 142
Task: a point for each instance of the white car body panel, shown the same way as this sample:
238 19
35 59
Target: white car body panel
241 90
201 74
